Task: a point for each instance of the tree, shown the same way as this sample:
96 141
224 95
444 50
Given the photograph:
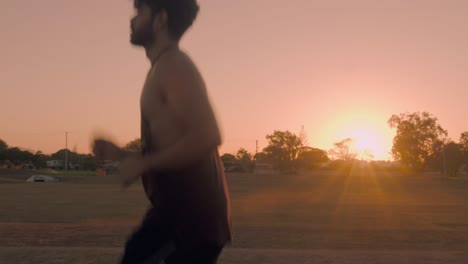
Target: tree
245 159
243 154
342 150
3 145
88 162
464 141
309 157
59 155
367 155
283 148
435 161
453 158
303 137
260 157
71 156
227 157
464 148
417 137
3 149
40 159
133 146
17 155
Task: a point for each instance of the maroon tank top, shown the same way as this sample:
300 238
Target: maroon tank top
194 198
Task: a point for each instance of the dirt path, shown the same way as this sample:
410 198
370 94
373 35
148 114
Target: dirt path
93 255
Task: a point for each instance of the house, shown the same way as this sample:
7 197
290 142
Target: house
55 164
265 168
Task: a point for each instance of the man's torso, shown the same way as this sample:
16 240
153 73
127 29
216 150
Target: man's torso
195 195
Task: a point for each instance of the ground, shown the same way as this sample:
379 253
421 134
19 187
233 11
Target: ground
341 217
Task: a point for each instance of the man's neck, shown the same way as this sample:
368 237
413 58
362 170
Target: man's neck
155 50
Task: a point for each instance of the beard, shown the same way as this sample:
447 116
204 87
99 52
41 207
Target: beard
142 36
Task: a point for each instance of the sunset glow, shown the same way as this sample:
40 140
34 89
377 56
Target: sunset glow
366 143
368 129
339 72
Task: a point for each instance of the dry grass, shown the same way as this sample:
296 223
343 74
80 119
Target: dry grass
339 217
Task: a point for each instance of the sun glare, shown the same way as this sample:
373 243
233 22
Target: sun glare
366 143
372 137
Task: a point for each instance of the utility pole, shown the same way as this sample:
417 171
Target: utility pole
66 153
255 157
256 147
445 165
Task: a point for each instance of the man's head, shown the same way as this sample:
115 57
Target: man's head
161 18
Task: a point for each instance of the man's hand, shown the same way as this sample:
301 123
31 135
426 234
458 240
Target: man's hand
131 169
106 150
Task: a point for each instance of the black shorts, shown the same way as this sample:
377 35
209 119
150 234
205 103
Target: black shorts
155 241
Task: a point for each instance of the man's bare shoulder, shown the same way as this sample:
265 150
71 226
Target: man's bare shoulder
181 59
178 65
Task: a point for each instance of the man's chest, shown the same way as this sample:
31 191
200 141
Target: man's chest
153 98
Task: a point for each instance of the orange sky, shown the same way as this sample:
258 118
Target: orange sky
332 66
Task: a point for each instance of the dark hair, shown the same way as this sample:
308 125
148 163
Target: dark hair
180 13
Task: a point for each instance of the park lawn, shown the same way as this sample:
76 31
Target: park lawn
360 216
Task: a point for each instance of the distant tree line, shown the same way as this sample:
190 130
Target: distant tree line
285 151
420 144
14 156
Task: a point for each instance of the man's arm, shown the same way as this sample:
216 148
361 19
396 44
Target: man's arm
104 149
188 98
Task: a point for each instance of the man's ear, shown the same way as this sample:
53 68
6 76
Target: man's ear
161 20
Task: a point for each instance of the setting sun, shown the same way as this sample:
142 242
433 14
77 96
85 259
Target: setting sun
372 137
366 143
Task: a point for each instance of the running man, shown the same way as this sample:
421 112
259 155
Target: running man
180 168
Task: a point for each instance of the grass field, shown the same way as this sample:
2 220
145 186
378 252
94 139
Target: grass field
324 217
